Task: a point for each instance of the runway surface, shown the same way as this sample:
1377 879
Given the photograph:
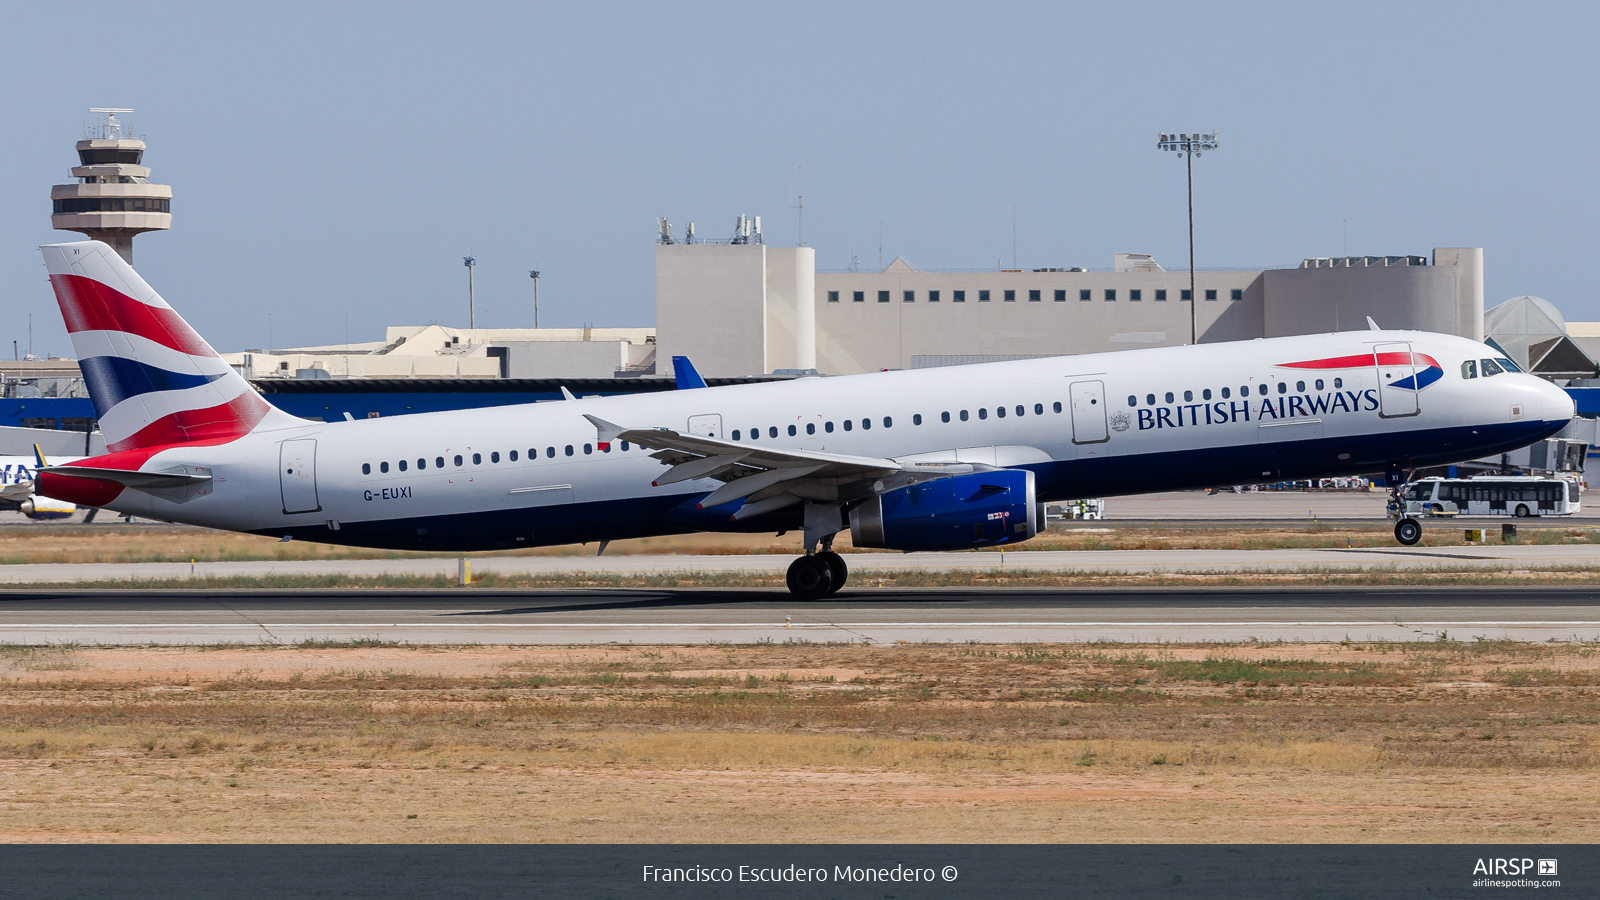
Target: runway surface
747 616
1490 556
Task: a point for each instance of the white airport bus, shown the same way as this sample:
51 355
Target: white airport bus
1491 495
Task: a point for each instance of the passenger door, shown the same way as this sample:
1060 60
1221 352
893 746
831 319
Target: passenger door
297 476
1088 412
1397 380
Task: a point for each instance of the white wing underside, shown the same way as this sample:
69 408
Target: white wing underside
771 478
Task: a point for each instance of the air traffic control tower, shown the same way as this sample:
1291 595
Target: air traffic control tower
113 199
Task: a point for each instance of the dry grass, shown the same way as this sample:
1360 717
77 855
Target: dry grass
327 741
155 543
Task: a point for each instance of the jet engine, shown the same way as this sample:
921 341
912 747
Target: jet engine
977 510
37 507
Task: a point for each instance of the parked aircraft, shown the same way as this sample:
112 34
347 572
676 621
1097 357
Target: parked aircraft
16 486
933 459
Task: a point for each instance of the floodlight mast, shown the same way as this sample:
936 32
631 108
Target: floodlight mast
534 274
1188 146
472 301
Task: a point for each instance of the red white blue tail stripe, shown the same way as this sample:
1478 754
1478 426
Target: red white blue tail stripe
153 380
1426 370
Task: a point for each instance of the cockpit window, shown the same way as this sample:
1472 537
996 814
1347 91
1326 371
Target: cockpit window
1469 369
1507 364
1489 368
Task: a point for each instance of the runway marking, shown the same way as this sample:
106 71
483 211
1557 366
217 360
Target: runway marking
1361 624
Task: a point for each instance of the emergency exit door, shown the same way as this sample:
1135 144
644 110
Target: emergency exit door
1397 380
1088 412
706 426
297 476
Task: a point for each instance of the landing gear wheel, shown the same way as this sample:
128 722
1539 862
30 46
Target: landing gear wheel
810 578
837 567
1408 531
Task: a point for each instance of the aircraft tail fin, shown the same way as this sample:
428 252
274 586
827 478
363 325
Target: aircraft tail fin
152 379
686 374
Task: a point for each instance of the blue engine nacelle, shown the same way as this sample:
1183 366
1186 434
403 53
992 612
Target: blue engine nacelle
977 510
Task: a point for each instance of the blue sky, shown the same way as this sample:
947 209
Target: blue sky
334 162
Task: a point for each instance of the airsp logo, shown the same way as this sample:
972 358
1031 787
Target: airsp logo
1512 867
1120 421
1547 867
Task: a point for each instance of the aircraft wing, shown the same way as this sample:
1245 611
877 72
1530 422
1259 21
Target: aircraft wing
769 478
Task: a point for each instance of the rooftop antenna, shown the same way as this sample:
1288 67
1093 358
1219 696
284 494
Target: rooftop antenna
800 211
110 128
663 230
688 233
756 233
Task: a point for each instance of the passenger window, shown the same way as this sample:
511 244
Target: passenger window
550 452
1319 384
1149 399
587 449
1058 406
755 433
849 425
477 459
791 431
772 431
888 422
828 427
1490 369
494 457
569 449
983 412
1205 394
1469 369
1261 389
366 468
1226 393
1169 396
963 415
458 459
1338 382
624 446
383 467
1021 410
915 420
1299 387
1132 401
422 462
1000 411
513 456
1038 408
944 416
811 428
1283 387
736 434
1188 396
438 462
865 424
402 465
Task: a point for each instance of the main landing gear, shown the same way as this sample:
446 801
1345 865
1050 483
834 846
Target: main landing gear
819 573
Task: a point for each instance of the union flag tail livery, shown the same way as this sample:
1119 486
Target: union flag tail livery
153 380
926 459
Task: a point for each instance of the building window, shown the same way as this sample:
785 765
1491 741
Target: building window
911 296
1111 294
1161 294
958 296
833 296
933 296
1011 296
858 296
983 296
883 296
1185 295
1033 297
1061 296
1236 294
1211 293
1135 295
1084 294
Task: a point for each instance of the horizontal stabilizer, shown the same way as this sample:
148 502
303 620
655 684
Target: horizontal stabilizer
139 481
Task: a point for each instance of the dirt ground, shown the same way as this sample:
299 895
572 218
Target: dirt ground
1443 742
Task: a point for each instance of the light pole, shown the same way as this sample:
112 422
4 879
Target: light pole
534 274
1188 146
472 300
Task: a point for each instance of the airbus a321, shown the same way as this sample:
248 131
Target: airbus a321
923 460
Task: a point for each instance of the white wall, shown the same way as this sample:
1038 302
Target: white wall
711 306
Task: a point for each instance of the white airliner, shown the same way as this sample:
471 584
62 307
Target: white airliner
16 486
937 459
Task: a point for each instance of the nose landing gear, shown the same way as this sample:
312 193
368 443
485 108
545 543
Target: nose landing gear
1408 531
